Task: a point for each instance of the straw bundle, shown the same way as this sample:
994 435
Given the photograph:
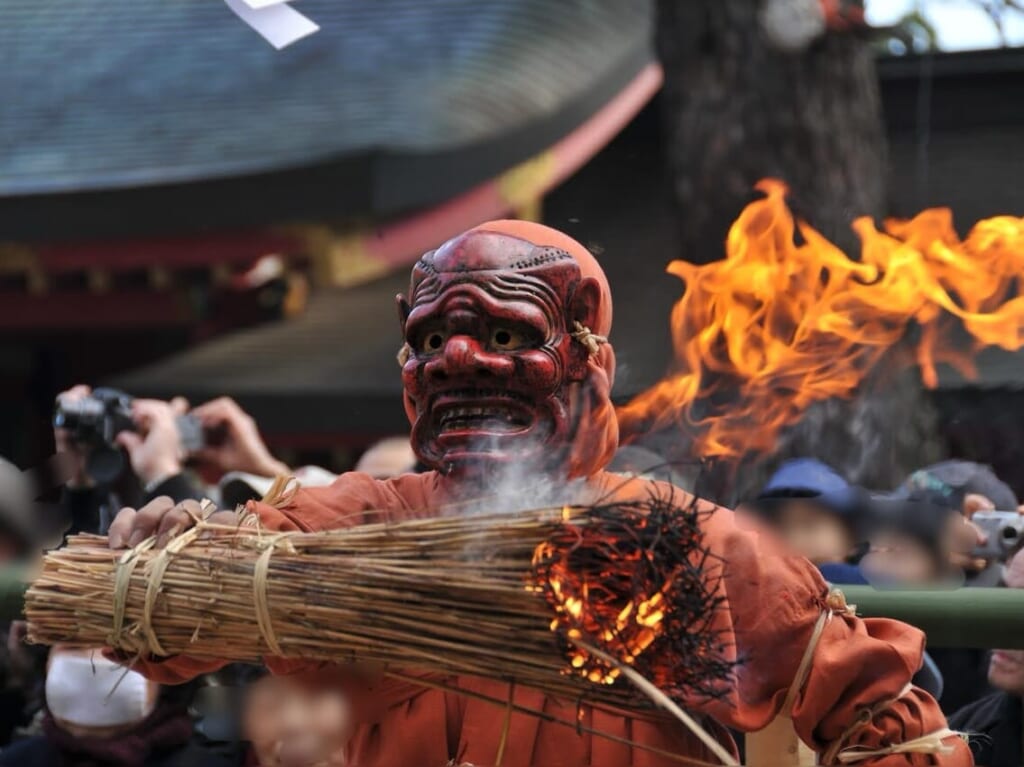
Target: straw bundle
501 596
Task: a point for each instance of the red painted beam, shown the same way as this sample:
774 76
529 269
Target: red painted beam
178 252
88 311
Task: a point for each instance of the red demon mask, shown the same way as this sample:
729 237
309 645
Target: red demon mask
505 357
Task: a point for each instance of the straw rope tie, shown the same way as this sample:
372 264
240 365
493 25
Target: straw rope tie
929 743
835 604
155 576
260 579
122 580
926 744
592 341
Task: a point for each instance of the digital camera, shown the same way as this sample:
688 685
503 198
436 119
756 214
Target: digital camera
95 421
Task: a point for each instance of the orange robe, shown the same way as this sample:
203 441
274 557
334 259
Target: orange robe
771 604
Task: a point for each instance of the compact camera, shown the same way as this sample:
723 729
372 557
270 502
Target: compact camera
1004 530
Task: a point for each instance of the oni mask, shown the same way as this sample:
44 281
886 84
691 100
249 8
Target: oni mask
501 327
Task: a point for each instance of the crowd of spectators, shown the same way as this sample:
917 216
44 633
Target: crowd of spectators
74 707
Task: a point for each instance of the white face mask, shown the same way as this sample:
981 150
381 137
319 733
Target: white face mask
81 690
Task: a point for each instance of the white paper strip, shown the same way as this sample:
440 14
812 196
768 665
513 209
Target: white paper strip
278 23
258 4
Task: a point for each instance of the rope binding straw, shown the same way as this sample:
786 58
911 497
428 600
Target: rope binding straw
260 601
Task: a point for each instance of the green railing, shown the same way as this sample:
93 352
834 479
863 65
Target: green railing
986 618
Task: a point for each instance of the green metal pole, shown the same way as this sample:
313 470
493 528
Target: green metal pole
968 617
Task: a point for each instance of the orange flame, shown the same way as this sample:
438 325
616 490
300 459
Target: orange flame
777 326
633 628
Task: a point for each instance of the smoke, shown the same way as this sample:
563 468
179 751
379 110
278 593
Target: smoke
519 485
874 439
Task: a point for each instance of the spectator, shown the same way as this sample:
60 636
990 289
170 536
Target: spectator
296 724
388 458
20 665
967 488
19 534
820 515
99 714
995 720
911 544
155 455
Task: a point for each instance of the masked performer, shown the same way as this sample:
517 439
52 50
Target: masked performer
506 362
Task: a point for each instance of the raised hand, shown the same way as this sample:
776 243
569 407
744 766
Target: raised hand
155 450
242 448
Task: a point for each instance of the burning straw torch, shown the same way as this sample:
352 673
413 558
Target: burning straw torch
966 617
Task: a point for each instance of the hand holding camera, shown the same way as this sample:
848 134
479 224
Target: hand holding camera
155 449
93 425
987 535
239 446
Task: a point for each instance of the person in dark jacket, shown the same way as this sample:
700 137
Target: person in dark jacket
99 714
993 723
154 452
21 538
967 488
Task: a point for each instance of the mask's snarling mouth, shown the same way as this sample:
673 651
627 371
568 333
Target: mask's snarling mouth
468 413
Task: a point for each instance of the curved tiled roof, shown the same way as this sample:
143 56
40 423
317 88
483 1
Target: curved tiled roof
121 93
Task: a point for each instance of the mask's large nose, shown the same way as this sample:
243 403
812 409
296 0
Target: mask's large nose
465 357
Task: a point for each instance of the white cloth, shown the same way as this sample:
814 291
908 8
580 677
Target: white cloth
237 487
95 692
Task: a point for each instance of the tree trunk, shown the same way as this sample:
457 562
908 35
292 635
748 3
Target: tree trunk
737 110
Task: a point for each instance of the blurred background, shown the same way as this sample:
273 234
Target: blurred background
185 210
214 228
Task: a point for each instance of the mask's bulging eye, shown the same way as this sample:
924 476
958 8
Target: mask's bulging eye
508 339
432 342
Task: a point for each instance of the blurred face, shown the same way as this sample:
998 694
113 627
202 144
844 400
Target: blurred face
896 558
1006 669
814 532
292 724
387 458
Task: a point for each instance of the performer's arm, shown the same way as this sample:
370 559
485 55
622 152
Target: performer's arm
854 695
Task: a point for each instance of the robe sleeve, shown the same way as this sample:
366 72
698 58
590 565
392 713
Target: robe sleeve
857 686
857 696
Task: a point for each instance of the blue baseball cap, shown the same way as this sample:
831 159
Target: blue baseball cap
810 478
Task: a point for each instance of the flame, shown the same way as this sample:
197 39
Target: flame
630 631
777 326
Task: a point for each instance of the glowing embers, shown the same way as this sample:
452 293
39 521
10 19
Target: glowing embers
634 581
779 325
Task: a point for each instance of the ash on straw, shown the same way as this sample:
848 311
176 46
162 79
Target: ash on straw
634 583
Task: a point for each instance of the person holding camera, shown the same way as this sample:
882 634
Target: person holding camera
152 444
963 493
94 426
973 490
